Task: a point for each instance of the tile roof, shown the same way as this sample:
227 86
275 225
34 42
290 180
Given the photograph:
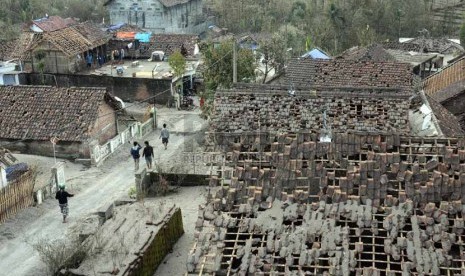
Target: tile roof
348 73
169 43
413 58
374 52
406 46
270 108
77 39
449 124
19 48
67 40
94 35
437 45
53 23
41 112
6 49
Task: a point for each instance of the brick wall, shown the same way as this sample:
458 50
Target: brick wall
105 125
128 89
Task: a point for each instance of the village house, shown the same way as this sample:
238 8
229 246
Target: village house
56 45
35 117
340 95
160 16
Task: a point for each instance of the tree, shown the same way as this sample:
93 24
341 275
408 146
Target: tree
274 53
219 69
462 34
178 63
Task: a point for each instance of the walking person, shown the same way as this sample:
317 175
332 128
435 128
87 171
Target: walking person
165 135
89 60
148 154
62 197
136 155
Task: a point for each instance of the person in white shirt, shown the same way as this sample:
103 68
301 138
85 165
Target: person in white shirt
164 135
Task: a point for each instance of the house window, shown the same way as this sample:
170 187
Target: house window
9 79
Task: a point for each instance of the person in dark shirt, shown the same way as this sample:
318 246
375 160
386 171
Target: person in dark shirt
136 155
62 197
148 153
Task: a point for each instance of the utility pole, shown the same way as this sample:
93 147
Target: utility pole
234 61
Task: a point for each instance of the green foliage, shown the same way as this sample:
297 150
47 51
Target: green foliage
219 69
333 25
178 62
14 12
462 34
219 65
274 52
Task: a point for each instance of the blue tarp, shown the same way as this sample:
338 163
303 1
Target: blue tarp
116 26
15 170
143 37
316 54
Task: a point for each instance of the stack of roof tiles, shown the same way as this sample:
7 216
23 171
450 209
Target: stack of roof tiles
42 112
359 205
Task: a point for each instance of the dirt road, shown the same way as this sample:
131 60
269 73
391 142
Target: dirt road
94 188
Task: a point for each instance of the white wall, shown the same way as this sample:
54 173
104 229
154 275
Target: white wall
3 181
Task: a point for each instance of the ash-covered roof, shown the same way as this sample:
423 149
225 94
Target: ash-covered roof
272 108
350 73
449 124
406 46
437 45
413 58
53 23
374 52
42 112
169 43
77 39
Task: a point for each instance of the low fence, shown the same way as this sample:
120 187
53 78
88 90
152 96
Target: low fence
157 247
136 130
17 195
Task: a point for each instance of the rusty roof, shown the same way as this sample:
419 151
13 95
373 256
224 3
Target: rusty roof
53 23
67 113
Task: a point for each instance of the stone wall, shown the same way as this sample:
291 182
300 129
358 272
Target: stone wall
127 89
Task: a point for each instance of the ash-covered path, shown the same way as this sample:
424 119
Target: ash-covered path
94 188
